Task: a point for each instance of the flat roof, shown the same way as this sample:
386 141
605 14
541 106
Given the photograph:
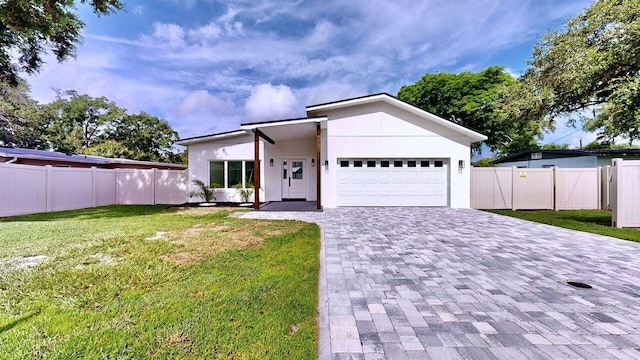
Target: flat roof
24 153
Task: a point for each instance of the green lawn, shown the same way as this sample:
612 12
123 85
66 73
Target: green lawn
593 221
146 282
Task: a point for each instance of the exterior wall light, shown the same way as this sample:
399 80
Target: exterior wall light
460 165
313 162
270 162
326 164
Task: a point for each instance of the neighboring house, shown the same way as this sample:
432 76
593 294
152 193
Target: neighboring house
374 150
566 158
59 159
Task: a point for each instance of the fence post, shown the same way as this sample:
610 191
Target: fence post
154 175
513 185
555 192
117 185
617 206
94 190
599 174
49 188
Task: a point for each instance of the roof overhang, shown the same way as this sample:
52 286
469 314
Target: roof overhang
386 98
289 129
210 137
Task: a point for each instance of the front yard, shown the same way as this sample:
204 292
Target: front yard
593 221
150 282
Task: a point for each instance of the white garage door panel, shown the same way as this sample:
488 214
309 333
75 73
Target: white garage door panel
392 186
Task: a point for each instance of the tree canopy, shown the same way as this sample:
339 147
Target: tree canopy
79 123
29 28
590 71
470 99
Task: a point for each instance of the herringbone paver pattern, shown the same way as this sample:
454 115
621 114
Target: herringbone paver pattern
437 283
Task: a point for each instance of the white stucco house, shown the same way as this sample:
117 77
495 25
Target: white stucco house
374 150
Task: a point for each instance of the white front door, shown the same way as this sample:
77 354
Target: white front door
293 179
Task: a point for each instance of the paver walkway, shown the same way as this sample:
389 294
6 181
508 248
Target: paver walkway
436 283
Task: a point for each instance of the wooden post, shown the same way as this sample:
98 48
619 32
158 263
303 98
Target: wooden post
256 170
318 192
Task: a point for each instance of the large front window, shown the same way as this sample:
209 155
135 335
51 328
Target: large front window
229 174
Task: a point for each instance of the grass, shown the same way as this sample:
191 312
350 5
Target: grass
592 221
145 282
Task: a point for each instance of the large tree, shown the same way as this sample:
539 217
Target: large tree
470 99
590 71
28 28
146 137
79 122
21 120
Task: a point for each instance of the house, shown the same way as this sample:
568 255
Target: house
374 150
24 156
566 158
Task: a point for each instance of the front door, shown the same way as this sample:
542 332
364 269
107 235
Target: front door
293 179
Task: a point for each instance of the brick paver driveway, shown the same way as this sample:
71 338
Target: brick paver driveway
436 283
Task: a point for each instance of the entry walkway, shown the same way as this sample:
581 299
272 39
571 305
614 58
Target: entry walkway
437 283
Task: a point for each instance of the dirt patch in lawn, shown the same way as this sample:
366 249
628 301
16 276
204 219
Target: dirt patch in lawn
202 241
198 210
22 262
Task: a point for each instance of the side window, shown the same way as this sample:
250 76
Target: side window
234 173
216 173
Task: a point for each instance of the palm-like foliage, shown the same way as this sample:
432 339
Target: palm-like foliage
205 192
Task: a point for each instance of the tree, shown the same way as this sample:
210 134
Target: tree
470 99
485 162
78 122
554 146
590 71
146 137
21 120
28 28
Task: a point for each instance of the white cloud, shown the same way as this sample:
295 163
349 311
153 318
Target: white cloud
171 34
199 101
271 102
322 33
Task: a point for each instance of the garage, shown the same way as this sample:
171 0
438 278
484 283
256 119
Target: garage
392 182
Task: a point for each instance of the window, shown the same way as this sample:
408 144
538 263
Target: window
536 156
424 163
216 173
296 170
411 163
229 174
344 163
284 170
438 163
397 163
371 163
357 164
234 173
248 173
384 163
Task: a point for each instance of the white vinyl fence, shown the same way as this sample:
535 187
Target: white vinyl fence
27 189
625 193
528 189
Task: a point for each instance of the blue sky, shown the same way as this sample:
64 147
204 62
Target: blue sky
208 65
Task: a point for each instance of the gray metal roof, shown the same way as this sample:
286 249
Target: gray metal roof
23 153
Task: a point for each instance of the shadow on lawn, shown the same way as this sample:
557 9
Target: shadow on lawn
18 321
103 212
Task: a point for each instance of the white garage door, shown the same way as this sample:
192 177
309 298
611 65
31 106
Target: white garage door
392 182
